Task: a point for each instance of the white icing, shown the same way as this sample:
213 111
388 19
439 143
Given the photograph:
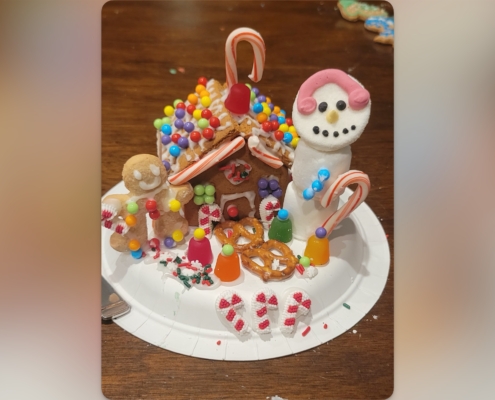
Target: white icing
228 171
155 170
137 175
149 186
148 194
250 196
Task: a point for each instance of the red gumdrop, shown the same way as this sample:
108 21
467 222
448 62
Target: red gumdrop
195 136
279 135
202 81
151 205
238 99
206 114
155 214
266 126
274 125
215 122
288 121
208 133
190 108
180 105
175 137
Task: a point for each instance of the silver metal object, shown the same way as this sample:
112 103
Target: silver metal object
112 305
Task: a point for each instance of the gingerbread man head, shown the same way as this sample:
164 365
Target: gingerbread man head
143 173
331 110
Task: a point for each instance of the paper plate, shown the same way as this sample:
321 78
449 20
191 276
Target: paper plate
168 315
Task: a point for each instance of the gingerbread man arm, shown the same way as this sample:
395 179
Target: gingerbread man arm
185 193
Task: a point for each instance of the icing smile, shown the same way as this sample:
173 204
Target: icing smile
152 185
316 131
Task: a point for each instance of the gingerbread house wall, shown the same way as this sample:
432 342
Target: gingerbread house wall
222 185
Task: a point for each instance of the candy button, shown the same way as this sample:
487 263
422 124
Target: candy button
177 235
166 139
180 113
137 254
323 174
169 111
157 123
174 151
283 214
308 194
317 186
203 123
188 127
155 214
130 220
321 233
214 122
202 80
132 207
166 129
179 124
196 114
287 137
169 242
210 190
199 88
227 250
199 233
199 190
305 261
192 98
232 211
150 205
257 108
134 245
183 143
174 205
205 101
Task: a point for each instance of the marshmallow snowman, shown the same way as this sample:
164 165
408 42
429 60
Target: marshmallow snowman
330 113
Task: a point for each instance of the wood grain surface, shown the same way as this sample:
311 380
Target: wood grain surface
141 43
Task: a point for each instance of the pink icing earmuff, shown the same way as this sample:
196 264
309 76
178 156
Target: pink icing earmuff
359 97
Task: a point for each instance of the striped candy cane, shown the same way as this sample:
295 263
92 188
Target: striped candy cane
256 41
263 301
297 303
337 188
211 159
208 214
110 219
226 304
259 150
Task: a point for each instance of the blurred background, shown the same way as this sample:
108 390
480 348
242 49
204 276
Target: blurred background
50 102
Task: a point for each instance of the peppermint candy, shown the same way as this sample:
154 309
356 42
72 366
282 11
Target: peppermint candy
226 304
263 301
297 304
269 207
208 213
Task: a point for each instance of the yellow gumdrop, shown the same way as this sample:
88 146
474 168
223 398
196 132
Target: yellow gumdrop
169 111
197 114
284 127
261 117
294 142
276 110
174 205
134 245
205 101
177 235
192 98
199 233
204 93
130 220
199 88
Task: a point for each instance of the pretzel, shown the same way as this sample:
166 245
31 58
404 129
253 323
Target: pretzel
239 231
264 252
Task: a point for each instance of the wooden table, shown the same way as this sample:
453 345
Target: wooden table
141 43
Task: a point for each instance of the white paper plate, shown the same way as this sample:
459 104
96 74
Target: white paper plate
166 314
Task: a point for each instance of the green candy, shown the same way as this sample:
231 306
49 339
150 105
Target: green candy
132 208
210 190
209 199
157 123
177 101
227 250
198 200
253 95
166 120
305 261
248 85
199 190
203 123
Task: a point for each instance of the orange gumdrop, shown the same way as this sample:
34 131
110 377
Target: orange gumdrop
318 250
228 267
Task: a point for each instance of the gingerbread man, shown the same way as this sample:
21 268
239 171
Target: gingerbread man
149 193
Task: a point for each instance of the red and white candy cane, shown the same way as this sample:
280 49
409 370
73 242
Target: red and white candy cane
269 208
337 188
261 152
252 37
211 159
208 213
110 220
297 303
226 304
263 301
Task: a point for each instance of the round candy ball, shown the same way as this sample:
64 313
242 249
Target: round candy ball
176 102
208 133
232 211
169 242
130 220
266 126
209 199
279 135
132 207
214 122
263 193
283 214
157 123
281 120
210 190
134 245
151 205
320 232
190 109
199 200
205 101
174 151
196 114
177 235
202 80
169 111
203 123
206 114
166 129
277 193
175 137
188 126
183 143
180 113
199 190
317 186
192 98
308 194
288 121
227 250
166 139
273 184
155 214
154 243
166 164
195 136
275 125
166 120
323 174
257 107
262 183
137 254
199 233
261 98
261 117
174 205
256 91
287 137
252 95
305 261
179 124
273 117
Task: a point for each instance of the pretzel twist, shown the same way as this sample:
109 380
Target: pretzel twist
264 252
239 230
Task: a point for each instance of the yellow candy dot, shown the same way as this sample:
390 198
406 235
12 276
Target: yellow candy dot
197 114
177 235
204 93
294 142
267 110
284 127
268 100
292 129
134 245
199 233
130 220
169 111
192 98
205 101
280 115
264 104
174 205
199 88
276 110
261 117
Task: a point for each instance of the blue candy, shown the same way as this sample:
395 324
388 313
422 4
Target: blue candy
166 129
257 108
308 194
287 137
317 186
174 151
137 254
323 174
283 214
281 120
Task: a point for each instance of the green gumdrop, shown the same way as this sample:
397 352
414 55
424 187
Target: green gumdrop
209 199
227 250
210 190
199 190
198 200
132 208
305 261
157 123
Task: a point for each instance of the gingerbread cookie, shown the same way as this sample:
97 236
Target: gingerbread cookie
352 10
149 194
384 26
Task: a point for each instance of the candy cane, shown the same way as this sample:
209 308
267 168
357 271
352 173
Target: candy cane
269 207
211 159
337 188
259 150
110 220
208 214
256 41
116 225
263 301
226 304
297 303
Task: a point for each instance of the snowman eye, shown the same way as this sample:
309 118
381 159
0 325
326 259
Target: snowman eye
322 107
341 105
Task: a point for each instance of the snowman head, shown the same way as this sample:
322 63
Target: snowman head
331 110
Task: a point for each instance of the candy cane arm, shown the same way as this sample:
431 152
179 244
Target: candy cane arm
259 150
208 161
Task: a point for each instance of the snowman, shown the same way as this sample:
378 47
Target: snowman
330 113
